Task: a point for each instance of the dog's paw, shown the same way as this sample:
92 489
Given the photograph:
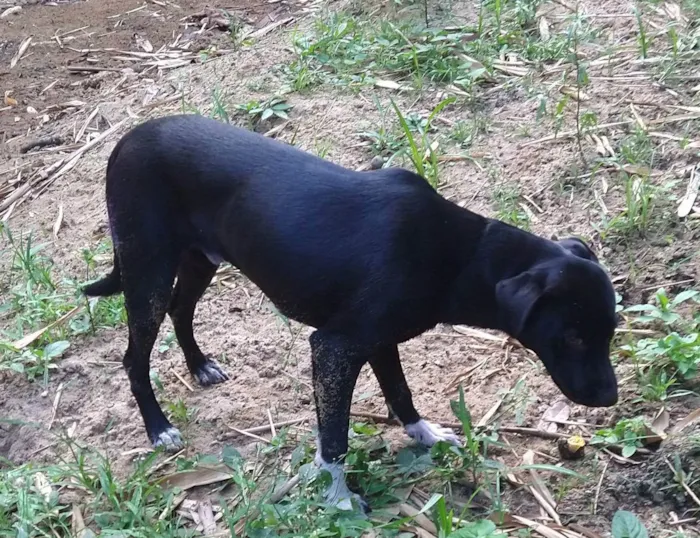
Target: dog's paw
170 439
350 503
338 494
210 373
428 433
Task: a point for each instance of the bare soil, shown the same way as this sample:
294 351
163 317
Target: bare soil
269 367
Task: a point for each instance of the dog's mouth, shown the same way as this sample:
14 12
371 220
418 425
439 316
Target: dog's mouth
595 396
593 393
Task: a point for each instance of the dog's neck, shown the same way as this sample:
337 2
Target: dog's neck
503 252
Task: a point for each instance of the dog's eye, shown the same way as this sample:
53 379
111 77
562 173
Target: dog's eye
573 341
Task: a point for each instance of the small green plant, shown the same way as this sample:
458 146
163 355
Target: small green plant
423 149
258 111
465 133
219 110
180 413
627 432
664 309
627 525
167 343
642 37
506 199
636 218
33 362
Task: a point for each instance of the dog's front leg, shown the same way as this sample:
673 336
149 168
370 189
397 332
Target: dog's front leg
387 368
336 363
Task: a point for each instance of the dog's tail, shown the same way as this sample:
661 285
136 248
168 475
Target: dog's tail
109 285
112 283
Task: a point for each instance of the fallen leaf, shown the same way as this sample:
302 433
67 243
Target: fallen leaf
201 476
559 411
10 11
691 194
80 530
574 93
10 101
682 424
636 170
388 84
42 485
20 52
143 43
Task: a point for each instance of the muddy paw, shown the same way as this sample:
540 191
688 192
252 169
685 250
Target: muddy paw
350 503
170 439
210 373
428 433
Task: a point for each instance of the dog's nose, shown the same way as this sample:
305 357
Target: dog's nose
603 398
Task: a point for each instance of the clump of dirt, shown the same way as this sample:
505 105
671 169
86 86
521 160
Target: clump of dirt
654 482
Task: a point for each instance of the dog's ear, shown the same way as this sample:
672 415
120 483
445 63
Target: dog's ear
517 296
578 248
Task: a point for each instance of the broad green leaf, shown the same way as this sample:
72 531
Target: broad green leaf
56 349
628 451
627 525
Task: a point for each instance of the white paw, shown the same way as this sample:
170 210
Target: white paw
338 494
170 440
428 433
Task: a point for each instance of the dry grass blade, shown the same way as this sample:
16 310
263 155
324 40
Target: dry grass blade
266 427
20 51
539 528
56 401
267 29
692 418
491 412
691 193
681 480
58 222
251 435
476 333
406 510
85 125
31 337
539 489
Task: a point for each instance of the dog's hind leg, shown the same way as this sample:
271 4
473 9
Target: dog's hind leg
193 277
148 267
387 368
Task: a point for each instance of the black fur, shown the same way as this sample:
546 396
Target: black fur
369 259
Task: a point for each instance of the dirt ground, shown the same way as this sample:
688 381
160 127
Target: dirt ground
268 364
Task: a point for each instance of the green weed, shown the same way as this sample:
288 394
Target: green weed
259 111
422 149
506 199
627 432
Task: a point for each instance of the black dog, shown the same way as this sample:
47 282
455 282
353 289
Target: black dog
369 259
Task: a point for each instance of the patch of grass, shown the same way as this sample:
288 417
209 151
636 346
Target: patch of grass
351 52
142 505
664 365
637 148
636 218
466 132
629 433
508 209
35 298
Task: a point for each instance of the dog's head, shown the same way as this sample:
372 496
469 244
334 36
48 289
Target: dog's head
564 311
